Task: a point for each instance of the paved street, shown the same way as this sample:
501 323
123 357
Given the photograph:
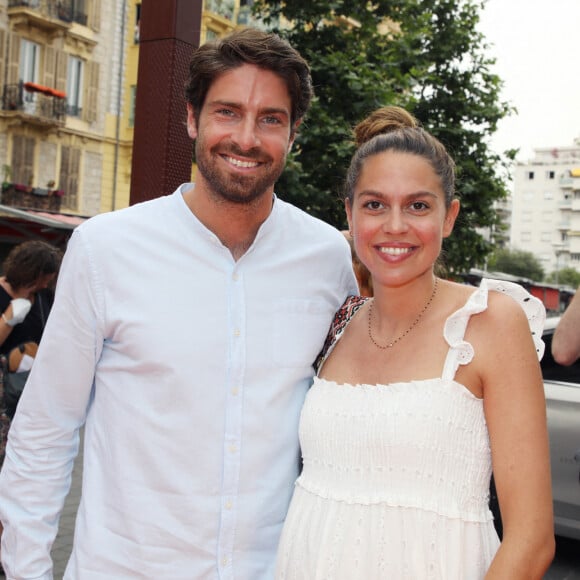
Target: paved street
566 565
62 545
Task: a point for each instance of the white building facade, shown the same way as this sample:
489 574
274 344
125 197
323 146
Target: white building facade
545 207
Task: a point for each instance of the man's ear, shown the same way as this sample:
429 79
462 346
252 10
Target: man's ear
191 122
293 133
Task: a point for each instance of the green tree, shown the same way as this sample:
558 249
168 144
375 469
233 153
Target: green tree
432 61
565 277
517 263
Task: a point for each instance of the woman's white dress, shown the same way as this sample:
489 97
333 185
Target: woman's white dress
396 477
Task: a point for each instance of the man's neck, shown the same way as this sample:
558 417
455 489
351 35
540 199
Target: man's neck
235 224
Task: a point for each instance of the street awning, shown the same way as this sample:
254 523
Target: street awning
55 220
17 225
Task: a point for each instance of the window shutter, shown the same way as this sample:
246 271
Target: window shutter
2 54
95 15
92 86
69 176
23 160
61 70
13 59
49 67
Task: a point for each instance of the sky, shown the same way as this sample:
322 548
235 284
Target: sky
537 49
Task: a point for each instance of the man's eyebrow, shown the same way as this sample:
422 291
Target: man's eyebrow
276 111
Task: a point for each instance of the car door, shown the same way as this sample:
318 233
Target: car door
562 389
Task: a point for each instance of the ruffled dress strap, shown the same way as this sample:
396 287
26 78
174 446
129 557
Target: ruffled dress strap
339 323
460 351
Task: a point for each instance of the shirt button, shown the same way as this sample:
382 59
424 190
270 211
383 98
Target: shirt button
233 448
228 505
235 277
236 332
224 561
235 391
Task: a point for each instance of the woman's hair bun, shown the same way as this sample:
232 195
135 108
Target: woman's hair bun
383 120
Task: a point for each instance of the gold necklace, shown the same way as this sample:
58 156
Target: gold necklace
416 321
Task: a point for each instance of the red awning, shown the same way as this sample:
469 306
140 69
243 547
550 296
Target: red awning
36 88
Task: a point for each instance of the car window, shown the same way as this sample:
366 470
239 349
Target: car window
552 371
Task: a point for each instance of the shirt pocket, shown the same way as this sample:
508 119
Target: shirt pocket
299 329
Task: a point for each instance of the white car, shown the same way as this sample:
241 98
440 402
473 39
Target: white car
562 389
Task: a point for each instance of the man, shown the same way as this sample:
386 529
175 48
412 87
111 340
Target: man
182 335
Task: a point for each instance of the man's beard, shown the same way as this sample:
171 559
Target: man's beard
238 189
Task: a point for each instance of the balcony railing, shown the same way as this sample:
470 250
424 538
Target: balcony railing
40 102
24 197
64 10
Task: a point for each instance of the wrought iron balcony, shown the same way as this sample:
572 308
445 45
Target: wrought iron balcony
37 198
64 10
44 104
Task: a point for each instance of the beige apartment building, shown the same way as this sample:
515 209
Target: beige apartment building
545 207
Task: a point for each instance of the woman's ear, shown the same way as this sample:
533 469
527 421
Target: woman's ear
450 217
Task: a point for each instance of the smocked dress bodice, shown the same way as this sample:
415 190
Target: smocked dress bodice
396 477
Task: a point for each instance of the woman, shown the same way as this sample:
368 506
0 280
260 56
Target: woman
419 391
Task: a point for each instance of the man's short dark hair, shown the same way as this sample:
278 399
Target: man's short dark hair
250 46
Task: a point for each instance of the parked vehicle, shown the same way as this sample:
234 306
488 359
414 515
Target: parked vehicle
562 389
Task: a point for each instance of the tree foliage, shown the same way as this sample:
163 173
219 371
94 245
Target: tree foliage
565 277
424 55
517 263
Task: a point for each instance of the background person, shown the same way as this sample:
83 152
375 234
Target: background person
419 391
566 339
191 323
28 271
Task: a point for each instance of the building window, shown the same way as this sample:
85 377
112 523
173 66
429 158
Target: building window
526 236
548 195
530 175
546 236
28 71
137 33
245 12
574 257
132 97
224 8
80 11
75 86
528 195
29 59
527 215
550 174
